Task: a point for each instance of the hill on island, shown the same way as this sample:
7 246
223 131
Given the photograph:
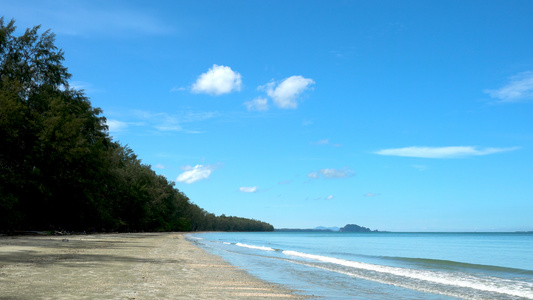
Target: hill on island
355 228
347 228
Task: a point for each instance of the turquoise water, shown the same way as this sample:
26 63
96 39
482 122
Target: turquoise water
383 265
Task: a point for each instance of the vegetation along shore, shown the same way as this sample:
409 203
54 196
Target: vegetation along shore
60 169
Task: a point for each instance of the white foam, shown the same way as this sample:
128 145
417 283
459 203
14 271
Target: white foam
255 247
488 284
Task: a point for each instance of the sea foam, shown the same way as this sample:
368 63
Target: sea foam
487 284
255 247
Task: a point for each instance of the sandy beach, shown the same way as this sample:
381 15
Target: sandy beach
122 266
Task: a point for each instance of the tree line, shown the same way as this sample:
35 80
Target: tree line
60 169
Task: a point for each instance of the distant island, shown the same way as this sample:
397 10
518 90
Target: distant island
347 228
355 228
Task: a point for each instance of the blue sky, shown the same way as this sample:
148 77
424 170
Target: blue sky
394 115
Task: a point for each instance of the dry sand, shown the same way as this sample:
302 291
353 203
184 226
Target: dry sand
122 266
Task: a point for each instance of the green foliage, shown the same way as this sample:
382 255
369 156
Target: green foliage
59 169
53 141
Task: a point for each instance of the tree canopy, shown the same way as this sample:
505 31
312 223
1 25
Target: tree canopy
59 169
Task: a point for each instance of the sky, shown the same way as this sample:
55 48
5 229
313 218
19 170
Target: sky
393 115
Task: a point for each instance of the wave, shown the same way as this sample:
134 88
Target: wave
431 263
442 263
455 279
338 269
255 247
428 262
443 282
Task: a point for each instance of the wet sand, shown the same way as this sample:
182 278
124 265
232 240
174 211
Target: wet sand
122 266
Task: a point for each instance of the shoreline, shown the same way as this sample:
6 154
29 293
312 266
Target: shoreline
123 266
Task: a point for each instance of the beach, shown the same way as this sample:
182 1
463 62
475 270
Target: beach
123 266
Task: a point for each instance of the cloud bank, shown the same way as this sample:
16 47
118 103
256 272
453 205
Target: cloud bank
519 88
193 174
217 81
441 152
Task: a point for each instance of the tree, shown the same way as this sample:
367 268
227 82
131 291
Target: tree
52 139
59 169
31 59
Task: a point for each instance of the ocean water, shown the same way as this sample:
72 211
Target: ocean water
384 265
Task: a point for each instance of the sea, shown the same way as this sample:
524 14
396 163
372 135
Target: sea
383 265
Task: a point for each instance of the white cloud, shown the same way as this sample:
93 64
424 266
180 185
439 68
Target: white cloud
441 152
168 127
177 89
258 104
116 125
329 197
519 88
332 173
159 166
217 81
198 116
193 174
325 142
313 175
371 195
162 122
87 87
337 173
286 94
248 189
